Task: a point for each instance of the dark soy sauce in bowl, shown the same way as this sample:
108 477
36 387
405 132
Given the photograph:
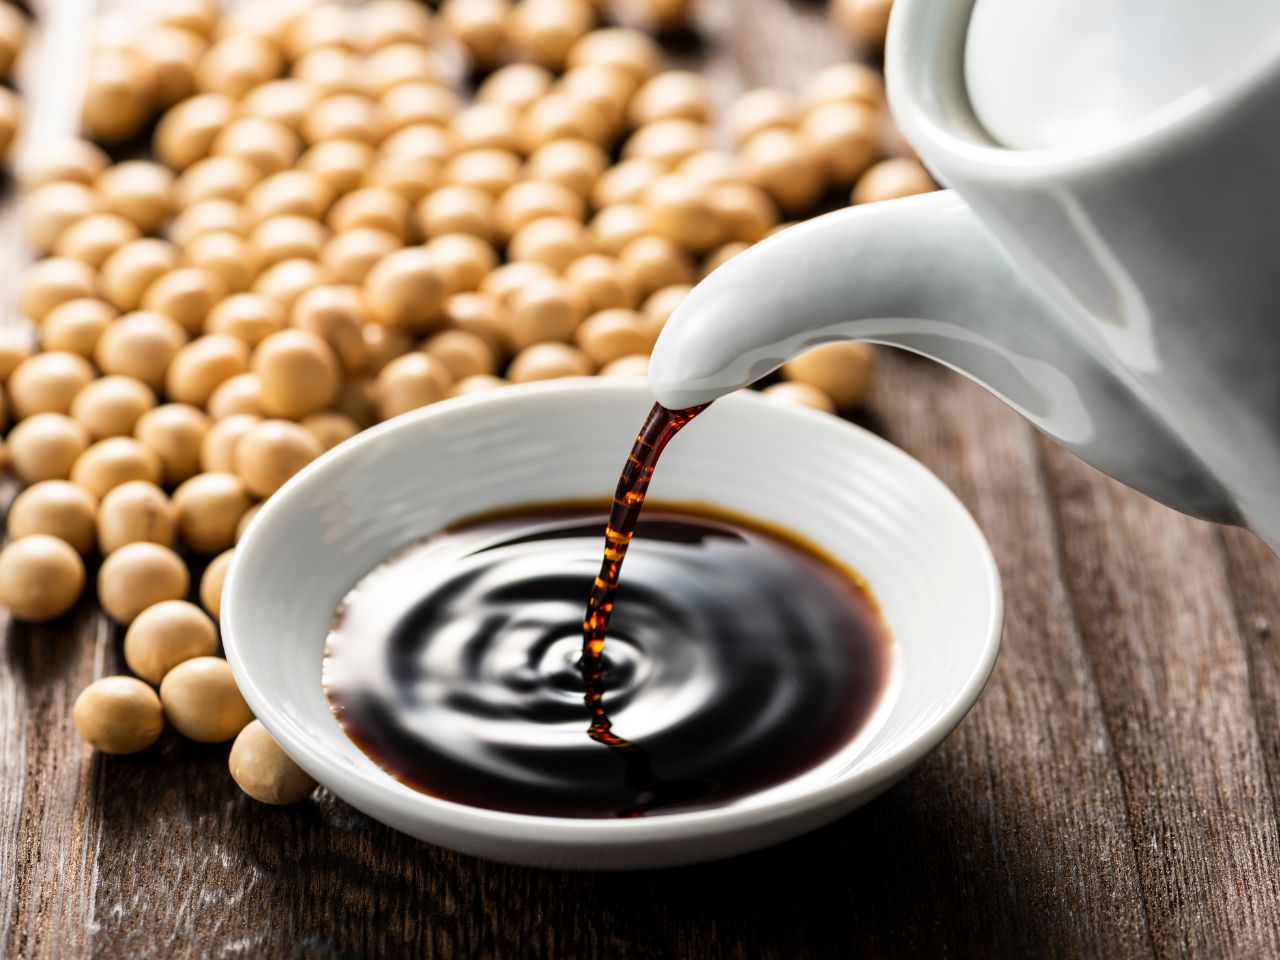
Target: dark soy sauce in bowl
738 656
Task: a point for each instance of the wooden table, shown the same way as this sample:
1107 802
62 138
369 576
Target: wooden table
1114 793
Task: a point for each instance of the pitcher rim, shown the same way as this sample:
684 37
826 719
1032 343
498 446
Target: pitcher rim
918 32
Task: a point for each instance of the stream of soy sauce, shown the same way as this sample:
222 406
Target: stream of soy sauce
738 658
660 426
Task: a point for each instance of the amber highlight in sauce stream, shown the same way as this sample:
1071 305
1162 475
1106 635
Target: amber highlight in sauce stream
660 426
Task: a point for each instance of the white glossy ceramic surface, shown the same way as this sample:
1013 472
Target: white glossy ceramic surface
1118 290
1050 73
862 499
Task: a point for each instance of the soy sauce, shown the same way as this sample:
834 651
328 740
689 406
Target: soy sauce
659 427
738 657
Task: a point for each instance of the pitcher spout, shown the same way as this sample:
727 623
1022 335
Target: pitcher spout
924 275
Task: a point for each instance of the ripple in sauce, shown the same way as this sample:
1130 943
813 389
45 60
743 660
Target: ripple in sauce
737 658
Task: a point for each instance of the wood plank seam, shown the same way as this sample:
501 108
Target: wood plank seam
1156 587
1247 632
1055 525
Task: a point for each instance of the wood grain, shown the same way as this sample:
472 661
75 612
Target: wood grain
1177 700
1113 794
49 782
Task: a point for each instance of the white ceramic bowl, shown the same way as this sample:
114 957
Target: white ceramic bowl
862 499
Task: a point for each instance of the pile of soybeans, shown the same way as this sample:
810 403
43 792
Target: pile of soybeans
347 213
13 38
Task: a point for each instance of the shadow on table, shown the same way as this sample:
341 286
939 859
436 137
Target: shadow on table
185 858
901 877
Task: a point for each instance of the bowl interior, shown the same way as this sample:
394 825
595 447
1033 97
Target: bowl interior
864 501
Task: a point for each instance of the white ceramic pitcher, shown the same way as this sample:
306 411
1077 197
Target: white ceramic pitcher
1107 260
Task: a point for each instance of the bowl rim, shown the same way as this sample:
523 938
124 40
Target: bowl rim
389 795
